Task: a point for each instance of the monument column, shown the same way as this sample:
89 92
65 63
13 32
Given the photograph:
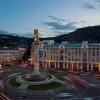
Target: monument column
35 53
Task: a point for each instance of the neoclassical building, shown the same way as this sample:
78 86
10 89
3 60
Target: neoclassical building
9 56
72 57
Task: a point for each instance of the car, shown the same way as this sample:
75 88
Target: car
64 95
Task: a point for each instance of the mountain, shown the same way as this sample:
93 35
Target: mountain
7 40
27 35
91 33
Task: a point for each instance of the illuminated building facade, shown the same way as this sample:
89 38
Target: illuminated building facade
9 56
71 57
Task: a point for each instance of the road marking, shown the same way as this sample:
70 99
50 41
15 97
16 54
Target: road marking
14 74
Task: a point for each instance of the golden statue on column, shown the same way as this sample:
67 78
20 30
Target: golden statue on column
35 52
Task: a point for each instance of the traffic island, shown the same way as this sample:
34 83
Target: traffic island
13 83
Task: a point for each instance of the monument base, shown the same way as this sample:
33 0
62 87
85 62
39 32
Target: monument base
36 73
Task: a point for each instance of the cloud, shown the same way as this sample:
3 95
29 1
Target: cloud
55 18
98 1
82 21
89 6
61 26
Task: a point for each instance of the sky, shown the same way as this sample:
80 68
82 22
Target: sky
51 17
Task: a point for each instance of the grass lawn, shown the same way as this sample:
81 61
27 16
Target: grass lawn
13 82
52 85
59 77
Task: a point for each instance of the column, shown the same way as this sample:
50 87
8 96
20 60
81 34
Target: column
81 66
49 64
64 54
46 65
36 59
91 66
88 67
55 65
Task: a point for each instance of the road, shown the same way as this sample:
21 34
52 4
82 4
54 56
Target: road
74 88
94 89
4 97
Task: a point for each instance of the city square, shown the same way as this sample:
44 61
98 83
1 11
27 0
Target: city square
49 50
24 82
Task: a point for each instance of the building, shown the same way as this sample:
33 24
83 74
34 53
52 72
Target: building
9 56
71 57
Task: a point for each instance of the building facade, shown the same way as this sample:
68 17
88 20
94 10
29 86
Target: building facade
71 57
9 56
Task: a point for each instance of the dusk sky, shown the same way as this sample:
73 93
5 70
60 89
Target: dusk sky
51 17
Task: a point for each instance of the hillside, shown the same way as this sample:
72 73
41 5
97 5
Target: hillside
91 33
7 40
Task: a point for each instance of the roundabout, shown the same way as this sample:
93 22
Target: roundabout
15 83
35 80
